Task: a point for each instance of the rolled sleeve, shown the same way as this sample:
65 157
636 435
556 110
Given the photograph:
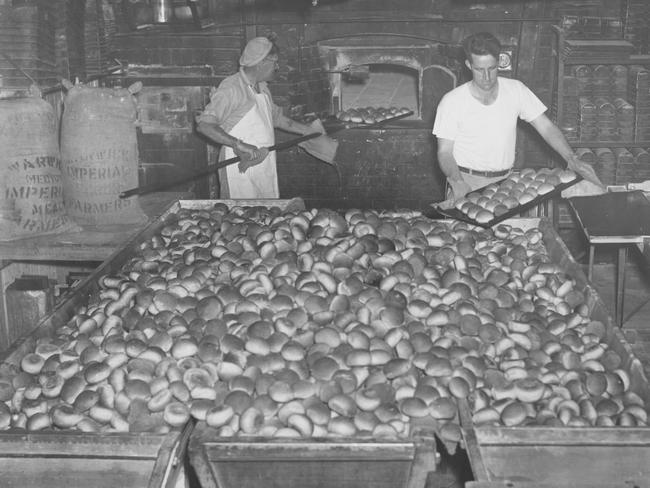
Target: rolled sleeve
220 107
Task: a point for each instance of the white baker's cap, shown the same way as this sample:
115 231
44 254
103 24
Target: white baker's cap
255 51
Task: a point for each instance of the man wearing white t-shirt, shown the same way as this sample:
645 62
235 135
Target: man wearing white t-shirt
476 123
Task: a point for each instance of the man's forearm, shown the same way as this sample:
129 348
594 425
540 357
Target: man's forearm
216 134
458 186
554 137
289 125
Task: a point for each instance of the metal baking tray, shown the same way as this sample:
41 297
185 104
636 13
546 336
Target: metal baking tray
332 124
454 213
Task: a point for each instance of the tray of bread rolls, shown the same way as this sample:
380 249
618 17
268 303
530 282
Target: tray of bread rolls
509 197
365 118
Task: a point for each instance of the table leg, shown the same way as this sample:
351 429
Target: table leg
620 285
590 269
5 327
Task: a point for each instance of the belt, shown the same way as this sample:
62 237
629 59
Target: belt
487 174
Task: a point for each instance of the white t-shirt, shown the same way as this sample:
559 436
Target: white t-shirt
485 135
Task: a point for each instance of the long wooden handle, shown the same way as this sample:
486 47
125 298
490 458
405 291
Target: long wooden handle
142 190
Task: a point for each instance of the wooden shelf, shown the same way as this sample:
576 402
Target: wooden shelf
595 44
562 60
170 80
641 59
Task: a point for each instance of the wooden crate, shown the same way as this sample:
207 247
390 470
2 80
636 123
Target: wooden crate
28 299
587 456
70 459
310 463
11 330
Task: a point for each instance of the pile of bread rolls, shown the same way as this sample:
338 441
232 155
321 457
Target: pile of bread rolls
319 324
370 115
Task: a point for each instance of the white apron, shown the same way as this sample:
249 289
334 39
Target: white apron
260 181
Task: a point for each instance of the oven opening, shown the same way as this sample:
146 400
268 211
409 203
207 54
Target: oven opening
387 85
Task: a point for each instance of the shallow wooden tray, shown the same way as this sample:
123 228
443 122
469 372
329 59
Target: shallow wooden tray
591 456
72 459
311 463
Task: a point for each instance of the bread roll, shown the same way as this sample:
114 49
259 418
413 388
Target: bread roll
219 416
32 363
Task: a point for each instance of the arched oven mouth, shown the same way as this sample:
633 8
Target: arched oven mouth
385 70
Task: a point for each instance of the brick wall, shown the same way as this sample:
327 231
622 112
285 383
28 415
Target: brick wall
166 134
27 37
161 47
308 83
382 169
301 85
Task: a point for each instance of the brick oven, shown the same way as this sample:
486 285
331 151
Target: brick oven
413 71
389 167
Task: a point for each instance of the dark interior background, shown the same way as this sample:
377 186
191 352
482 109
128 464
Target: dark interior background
179 61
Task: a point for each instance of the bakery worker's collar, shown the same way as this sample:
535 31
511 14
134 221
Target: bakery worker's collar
254 86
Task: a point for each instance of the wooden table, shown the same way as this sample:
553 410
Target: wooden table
90 244
618 218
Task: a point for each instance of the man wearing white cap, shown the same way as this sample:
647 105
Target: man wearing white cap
241 117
